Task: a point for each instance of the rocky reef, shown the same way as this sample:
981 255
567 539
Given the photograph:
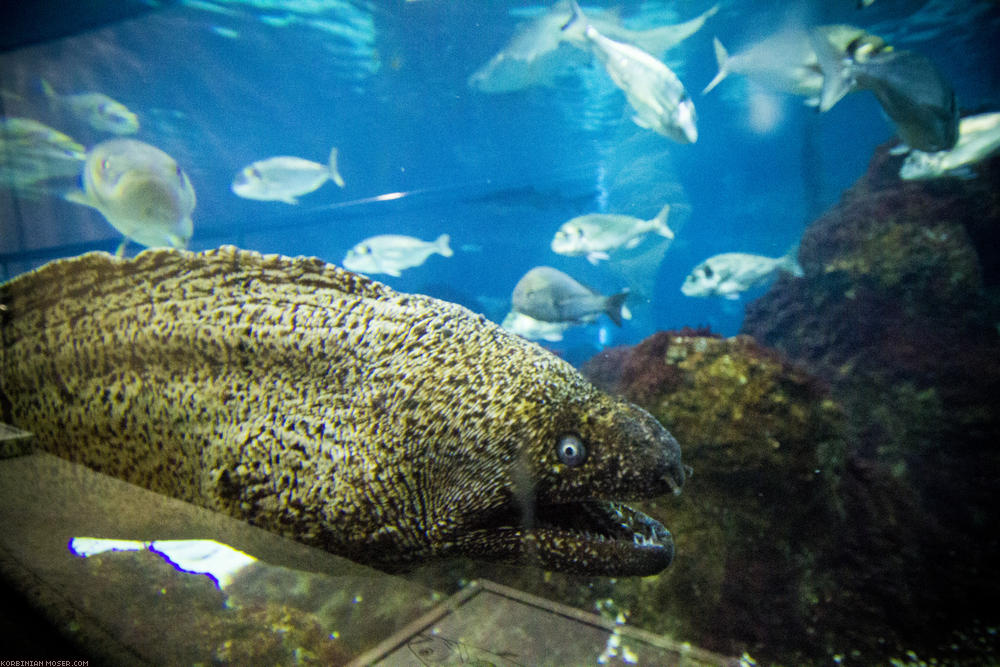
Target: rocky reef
765 441
898 313
844 446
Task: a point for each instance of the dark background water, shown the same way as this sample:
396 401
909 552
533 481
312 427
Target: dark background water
223 84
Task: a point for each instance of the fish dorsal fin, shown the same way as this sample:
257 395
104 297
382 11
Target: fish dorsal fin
615 307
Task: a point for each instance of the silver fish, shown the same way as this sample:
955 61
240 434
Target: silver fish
539 53
284 178
785 61
978 138
912 91
655 93
97 109
31 152
532 57
140 190
392 253
661 38
550 295
731 273
597 234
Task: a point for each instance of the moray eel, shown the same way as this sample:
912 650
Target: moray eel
389 428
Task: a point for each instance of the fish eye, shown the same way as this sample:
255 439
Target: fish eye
571 450
707 271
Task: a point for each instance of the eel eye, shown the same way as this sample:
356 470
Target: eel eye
571 450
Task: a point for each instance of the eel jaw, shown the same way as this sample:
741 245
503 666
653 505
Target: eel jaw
589 537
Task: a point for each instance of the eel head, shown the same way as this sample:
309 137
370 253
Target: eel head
558 503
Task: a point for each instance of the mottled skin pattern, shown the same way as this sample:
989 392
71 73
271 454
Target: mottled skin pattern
316 403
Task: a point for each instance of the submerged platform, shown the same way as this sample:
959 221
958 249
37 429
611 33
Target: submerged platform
127 576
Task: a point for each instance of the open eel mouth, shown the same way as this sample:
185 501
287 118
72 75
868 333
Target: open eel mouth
599 537
590 537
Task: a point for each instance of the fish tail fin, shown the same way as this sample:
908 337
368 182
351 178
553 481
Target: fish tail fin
332 165
838 77
722 60
441 245
790 262
660 223
574 30
615 307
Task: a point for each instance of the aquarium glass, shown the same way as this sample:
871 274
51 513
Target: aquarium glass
830 367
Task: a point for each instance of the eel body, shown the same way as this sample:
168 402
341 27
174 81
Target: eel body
390 428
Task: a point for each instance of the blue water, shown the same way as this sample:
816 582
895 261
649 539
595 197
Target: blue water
219 85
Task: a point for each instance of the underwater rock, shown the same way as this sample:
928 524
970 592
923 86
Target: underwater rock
898 312
765 441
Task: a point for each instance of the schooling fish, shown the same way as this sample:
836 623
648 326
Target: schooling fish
597 234
97 109
31 153
912 91
389 428
786 60
978 138
284 178
652 89
732 273
539 53
140 190
661 38
393 253
536 55
549 295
